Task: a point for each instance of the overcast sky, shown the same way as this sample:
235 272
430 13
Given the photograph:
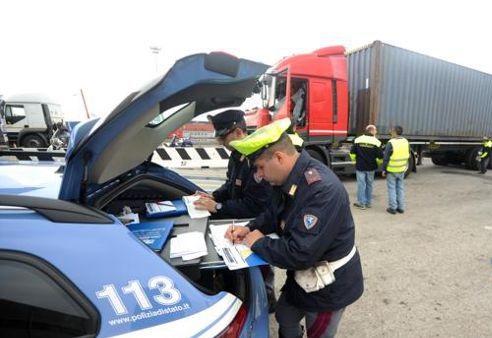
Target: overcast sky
103 47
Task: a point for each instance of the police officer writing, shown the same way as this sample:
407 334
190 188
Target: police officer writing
243 195
311 214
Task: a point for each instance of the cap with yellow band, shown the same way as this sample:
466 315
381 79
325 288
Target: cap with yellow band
254 144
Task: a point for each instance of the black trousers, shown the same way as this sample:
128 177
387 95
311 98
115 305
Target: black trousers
483 164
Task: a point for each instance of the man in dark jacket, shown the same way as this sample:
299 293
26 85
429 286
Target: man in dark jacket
243 195
311 214
367 153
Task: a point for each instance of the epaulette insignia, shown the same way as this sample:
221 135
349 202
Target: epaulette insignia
242 158
312 176
292 190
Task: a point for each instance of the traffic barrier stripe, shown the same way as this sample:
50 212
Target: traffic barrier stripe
170 157
188 157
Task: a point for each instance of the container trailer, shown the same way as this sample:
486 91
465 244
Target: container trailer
445 109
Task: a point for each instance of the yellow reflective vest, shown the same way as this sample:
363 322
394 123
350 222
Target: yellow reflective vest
486 148
398 161
365 141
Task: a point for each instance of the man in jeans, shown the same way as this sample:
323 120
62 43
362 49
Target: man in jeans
395 163
367 154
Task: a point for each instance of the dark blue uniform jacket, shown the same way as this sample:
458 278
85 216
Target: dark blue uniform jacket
311 214
366 155
241 195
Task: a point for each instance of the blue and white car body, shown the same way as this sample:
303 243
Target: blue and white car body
69 268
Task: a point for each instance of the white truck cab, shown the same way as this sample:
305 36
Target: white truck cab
30 119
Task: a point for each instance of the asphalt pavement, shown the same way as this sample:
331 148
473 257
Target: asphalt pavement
428 272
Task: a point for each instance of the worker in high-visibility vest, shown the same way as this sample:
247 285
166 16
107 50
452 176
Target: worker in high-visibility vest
367 154
395 163
485 155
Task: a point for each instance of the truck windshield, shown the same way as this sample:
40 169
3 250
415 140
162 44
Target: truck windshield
55 112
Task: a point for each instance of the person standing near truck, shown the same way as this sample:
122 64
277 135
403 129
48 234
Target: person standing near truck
485 156
367 154
311 215
395 163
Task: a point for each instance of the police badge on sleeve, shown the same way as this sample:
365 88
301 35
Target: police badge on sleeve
310 221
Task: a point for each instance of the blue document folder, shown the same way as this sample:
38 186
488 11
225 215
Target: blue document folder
166 208
154 234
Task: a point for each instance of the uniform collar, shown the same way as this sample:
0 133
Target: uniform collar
237 156
294 179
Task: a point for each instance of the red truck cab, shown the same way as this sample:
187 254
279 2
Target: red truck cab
316 84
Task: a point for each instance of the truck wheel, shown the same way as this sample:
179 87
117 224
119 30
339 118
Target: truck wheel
411 164
33 141
439 160
316 155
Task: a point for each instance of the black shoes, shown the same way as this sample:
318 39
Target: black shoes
394 211
391 211
360 206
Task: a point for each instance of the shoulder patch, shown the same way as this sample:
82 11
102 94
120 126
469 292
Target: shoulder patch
312 175
310 221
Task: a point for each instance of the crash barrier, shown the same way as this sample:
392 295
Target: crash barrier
187 157
170 157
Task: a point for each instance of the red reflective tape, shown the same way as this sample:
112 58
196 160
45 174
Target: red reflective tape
320 324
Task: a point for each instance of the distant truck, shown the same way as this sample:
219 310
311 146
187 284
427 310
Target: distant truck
30 119
444 109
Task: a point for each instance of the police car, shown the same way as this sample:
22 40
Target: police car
70 268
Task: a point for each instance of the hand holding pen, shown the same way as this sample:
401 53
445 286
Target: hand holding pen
235 233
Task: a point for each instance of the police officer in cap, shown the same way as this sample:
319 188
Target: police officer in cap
243 195
311 214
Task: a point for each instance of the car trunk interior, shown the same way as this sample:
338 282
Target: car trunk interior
209 278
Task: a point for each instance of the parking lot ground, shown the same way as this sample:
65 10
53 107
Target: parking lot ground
428 272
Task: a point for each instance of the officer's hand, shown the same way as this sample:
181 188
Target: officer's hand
203 194
205 203
236 234
252 237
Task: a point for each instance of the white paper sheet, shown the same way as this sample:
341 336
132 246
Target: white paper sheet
189 245
193 212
